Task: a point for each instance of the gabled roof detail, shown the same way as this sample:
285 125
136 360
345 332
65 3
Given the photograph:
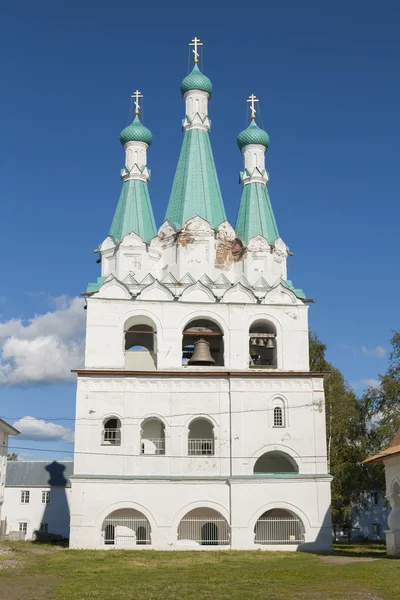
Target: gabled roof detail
113 288
156 291
195 190
133 212
187 279
239 294
197 293
256 216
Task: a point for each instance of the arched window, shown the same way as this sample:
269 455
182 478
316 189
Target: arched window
202 344
275 462
140 344
201 438
111 434
278 417
152 438
126 528
204 526
263 345
279 526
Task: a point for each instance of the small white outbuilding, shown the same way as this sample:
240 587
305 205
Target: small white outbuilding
390 457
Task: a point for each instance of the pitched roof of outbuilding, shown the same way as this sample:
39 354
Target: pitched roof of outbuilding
38 473
391 450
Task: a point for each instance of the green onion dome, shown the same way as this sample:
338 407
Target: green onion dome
196 81
136 132
253 135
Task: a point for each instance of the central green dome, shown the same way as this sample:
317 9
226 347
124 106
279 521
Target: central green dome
136 132
196 81
253 135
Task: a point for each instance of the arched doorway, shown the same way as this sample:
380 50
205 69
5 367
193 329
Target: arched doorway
204 526
278 526
126 528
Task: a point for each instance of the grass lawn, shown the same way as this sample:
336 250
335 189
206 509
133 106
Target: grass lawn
31 571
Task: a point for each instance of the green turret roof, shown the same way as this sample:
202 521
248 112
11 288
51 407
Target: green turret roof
195 190
253 135
256 216
133 212
196 80
136 132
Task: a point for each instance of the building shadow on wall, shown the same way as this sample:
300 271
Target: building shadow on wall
55 520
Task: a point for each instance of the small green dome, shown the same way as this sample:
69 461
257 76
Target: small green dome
253 135
136 132
196 81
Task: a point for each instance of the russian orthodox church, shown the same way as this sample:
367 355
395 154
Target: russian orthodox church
198 422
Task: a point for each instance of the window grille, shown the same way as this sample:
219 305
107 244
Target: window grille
278 417
153 446
374 498
111 436
23 527
207 531
126 531
25 496
45 497
44 527
278 530
200 447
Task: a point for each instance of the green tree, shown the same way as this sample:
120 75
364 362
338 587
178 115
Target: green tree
383 402
12 456
347 437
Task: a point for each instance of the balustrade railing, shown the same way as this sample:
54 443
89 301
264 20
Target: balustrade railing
111 437
207 531
152 446
204 446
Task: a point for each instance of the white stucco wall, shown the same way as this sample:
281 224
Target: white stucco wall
56 513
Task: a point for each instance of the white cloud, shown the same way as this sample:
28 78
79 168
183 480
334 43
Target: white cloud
40 430
371 382
45 348
378 351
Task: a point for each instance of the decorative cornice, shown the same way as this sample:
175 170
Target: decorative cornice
202 372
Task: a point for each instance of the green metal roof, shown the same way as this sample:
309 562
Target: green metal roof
94 287
196 80
133 212
195 190
256 216
253 135
136 132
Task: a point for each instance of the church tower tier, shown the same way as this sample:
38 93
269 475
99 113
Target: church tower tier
198 422
195 190
134 212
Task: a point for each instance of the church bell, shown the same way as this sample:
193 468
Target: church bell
201 354
270 343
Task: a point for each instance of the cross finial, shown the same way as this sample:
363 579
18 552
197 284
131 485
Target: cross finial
252 99
137 95
196 43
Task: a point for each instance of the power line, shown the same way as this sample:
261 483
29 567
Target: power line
188 414
188 456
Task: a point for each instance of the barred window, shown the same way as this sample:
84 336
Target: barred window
25 496
278 417
45 497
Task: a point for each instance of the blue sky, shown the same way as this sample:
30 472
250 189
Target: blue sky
329 86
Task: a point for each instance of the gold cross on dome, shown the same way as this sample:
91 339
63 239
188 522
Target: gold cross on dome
137 95
196 43
252 99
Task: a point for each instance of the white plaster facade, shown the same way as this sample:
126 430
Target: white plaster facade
197 274
55 514
5 431
392 476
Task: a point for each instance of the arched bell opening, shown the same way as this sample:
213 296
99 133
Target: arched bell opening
278 526
202 344
201 438
140 344
152 438
275 462
126 528
204 527
263 345
111 434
